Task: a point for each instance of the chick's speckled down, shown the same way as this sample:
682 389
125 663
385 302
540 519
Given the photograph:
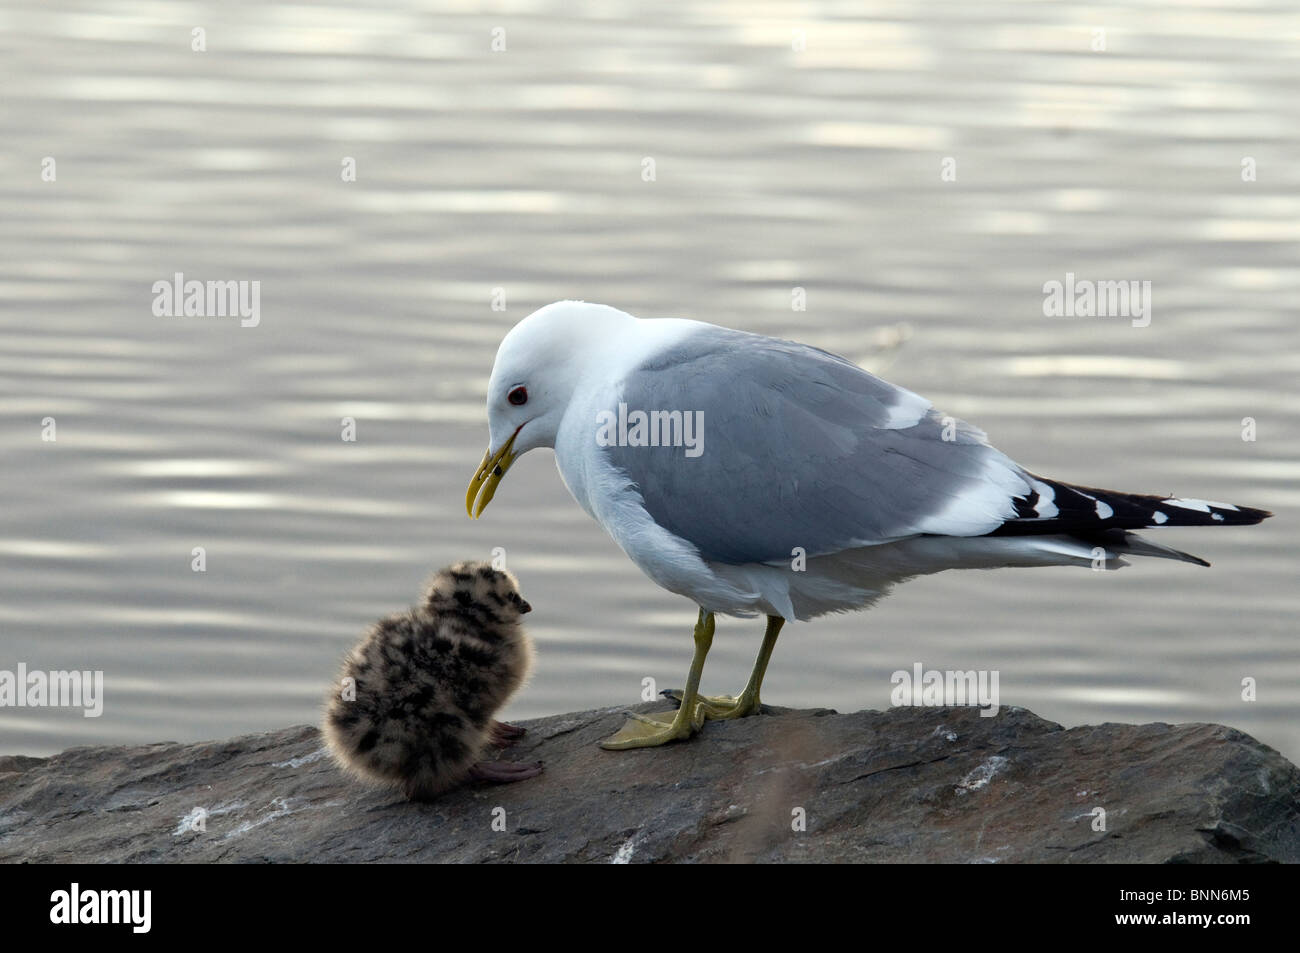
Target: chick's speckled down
414 703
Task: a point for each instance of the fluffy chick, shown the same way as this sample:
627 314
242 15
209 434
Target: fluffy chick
417 713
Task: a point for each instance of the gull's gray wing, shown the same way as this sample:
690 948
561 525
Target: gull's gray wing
801 448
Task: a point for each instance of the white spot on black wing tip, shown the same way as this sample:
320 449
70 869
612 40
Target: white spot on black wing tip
1045 504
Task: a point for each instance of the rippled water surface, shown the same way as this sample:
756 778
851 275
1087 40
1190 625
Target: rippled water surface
521 170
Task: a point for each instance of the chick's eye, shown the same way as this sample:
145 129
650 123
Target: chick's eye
518 396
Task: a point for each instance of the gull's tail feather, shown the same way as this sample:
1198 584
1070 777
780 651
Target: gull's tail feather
1054 507
1124 543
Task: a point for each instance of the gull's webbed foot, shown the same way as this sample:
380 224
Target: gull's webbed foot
721 707
649 731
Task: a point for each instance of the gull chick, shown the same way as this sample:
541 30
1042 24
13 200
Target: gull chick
413 705
755 475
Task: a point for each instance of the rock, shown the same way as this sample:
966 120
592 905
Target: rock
909 785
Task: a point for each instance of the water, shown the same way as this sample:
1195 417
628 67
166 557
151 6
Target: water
522 170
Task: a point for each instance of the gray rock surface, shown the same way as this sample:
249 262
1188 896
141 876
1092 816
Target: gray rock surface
906 785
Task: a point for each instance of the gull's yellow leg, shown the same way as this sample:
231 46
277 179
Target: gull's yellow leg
722 707
647 731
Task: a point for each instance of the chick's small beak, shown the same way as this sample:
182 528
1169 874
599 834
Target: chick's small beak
488 475
524 606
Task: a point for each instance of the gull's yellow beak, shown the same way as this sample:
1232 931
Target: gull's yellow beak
489 473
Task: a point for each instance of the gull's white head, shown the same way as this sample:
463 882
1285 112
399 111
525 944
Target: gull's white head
539 365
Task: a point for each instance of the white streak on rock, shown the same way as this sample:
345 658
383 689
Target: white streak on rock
299 762
981 774
280 807
625 851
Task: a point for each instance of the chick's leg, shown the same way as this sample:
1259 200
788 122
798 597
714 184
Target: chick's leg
648 731
503 735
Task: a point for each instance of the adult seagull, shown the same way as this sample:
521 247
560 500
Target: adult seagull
753 475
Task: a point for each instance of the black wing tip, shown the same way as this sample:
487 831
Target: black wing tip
1239 516
1080 508
1253 515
